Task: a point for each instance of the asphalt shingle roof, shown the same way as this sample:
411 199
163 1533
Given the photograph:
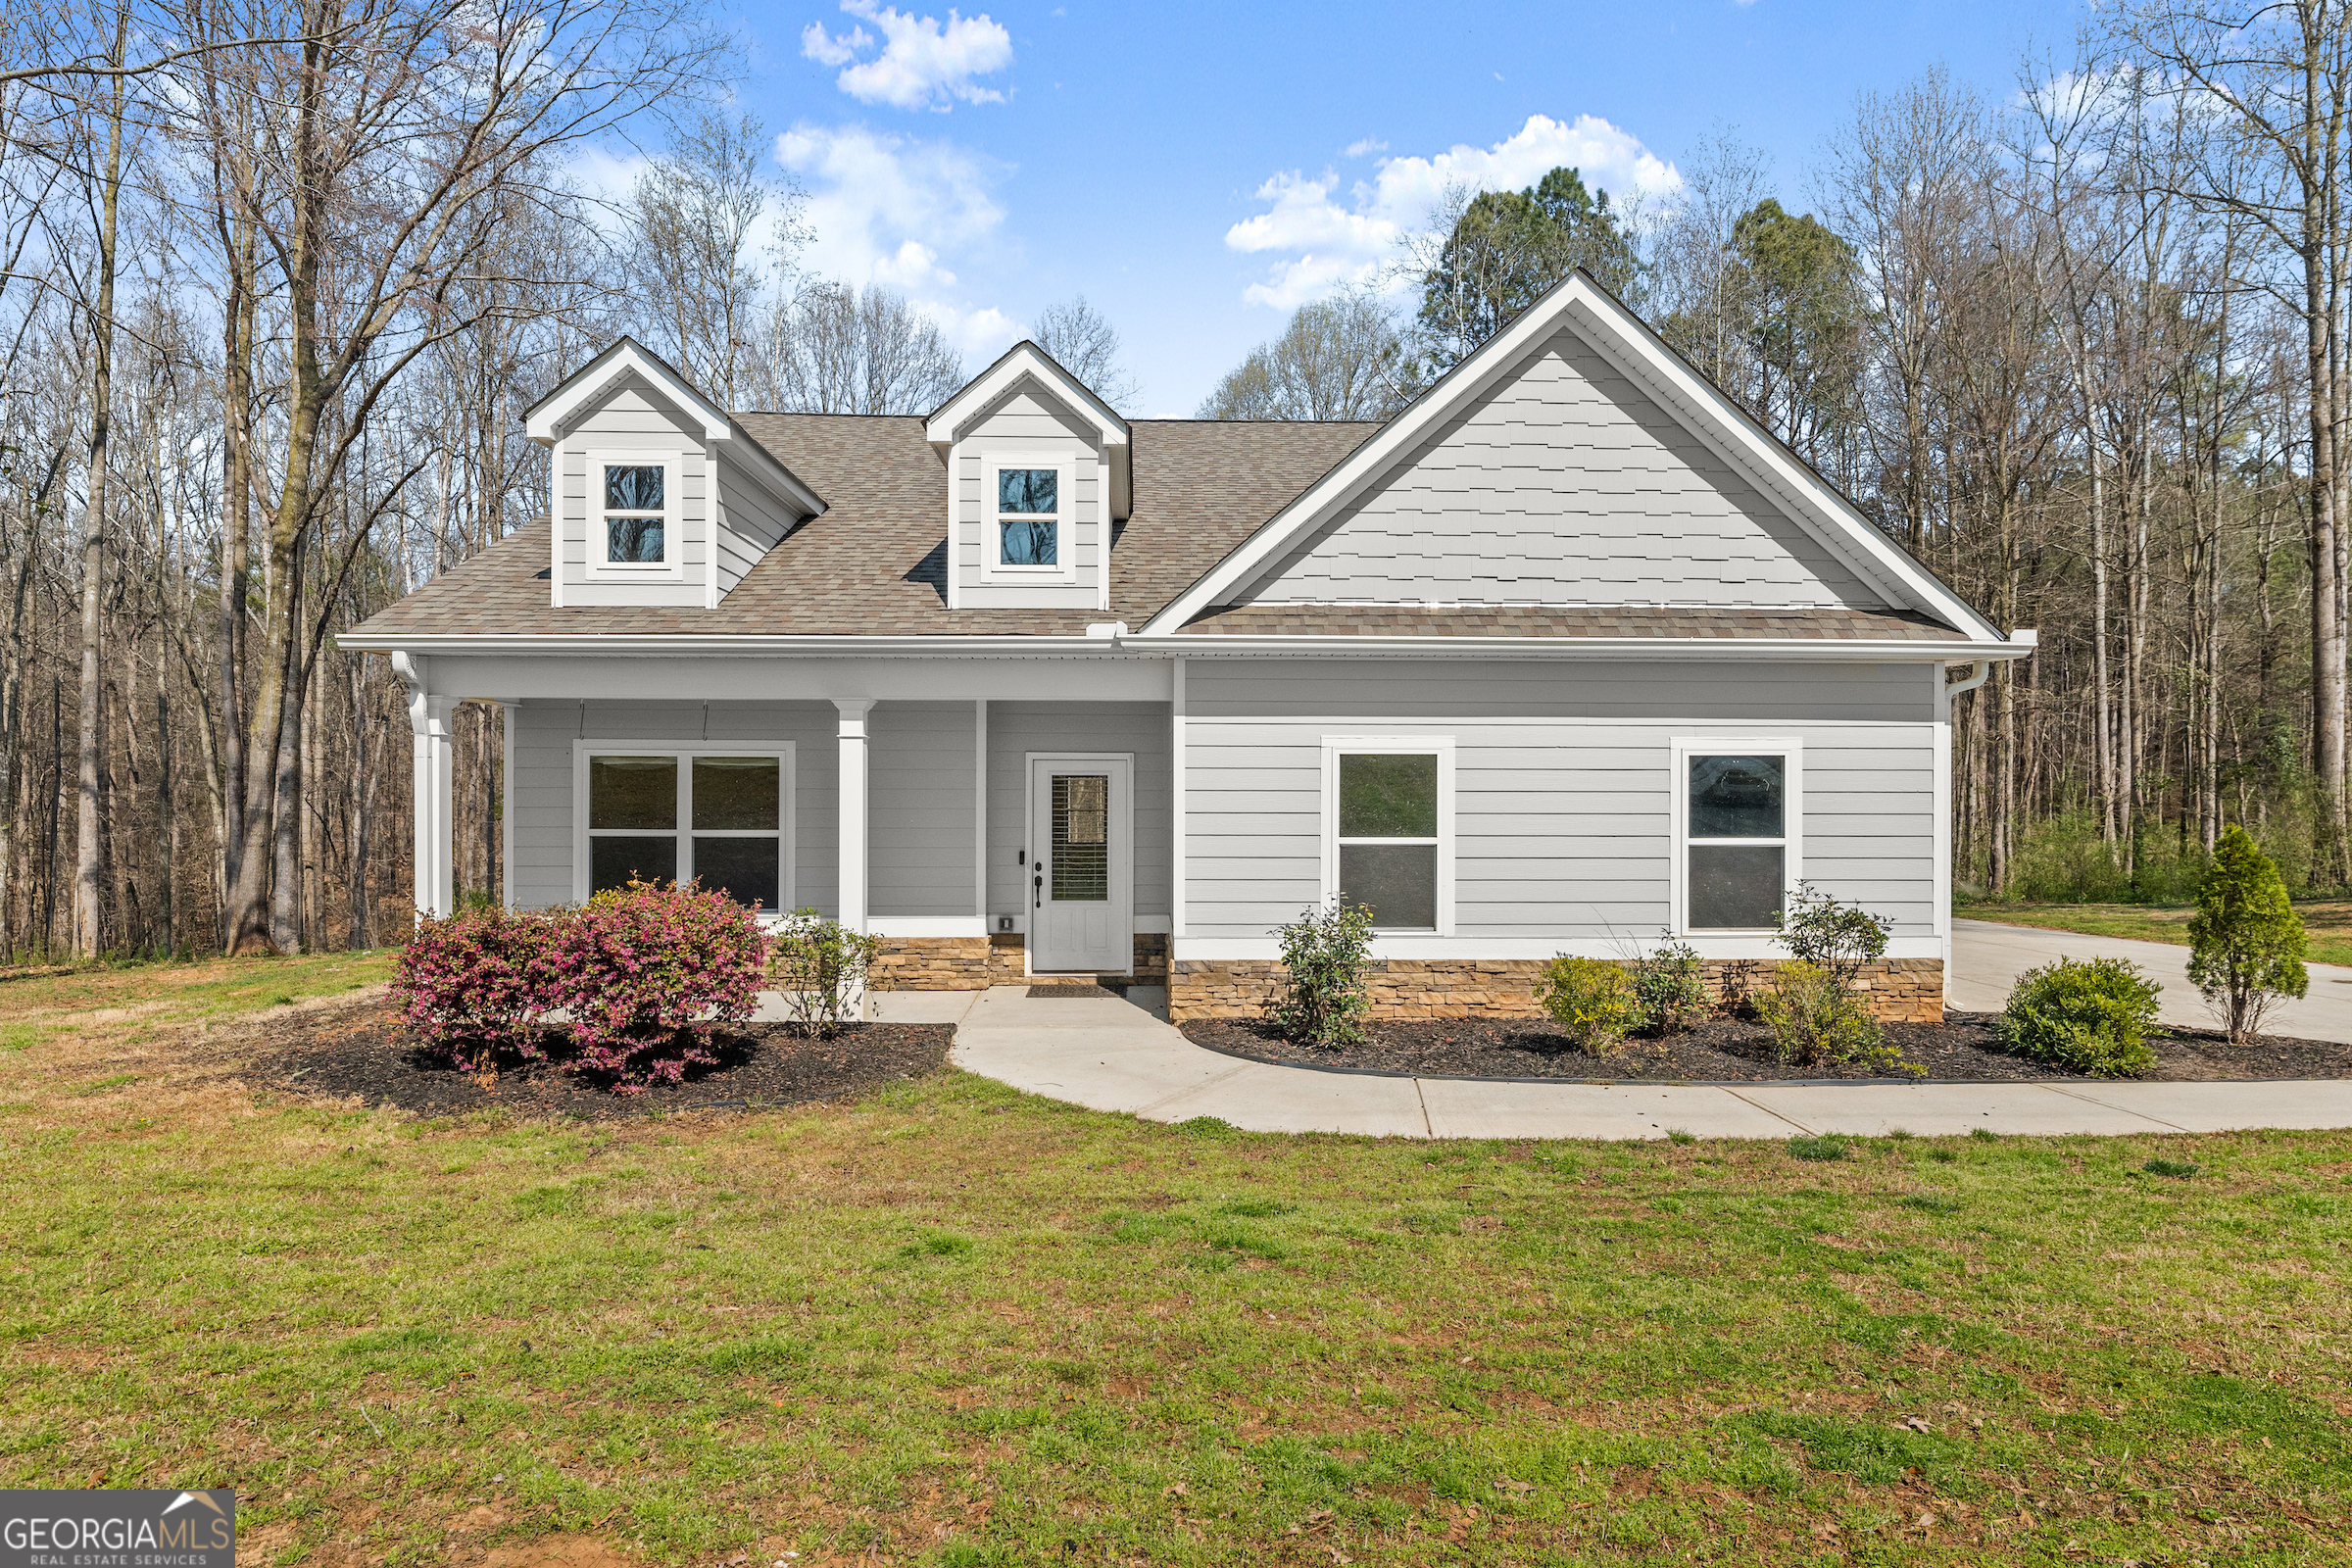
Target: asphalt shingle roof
1544 620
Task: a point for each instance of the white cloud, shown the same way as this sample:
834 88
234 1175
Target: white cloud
1357 149
885 208
924 64
1321 243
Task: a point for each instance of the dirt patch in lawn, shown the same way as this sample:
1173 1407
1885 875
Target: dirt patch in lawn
1961 1049
361 1050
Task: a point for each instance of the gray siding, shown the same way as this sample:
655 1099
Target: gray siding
1565 485
750 523
1016 729
920 796
632 417
1562 813
1029 420
544 732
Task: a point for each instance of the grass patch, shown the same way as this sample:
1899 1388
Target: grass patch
2328 920
2180 1169
1821 1149
950 1323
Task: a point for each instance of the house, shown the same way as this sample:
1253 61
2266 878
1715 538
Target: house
1568 654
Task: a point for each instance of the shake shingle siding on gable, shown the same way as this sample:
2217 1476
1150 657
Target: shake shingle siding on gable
1567 485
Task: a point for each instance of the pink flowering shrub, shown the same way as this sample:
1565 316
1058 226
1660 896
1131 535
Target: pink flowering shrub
473 986
644 974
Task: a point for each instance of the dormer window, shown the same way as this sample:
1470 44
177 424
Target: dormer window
1029 539
636 518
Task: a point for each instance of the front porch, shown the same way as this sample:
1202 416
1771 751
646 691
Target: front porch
985 839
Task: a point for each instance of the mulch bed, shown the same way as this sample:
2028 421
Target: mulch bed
1961 1049
363 1051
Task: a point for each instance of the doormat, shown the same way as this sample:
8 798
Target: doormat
1113 988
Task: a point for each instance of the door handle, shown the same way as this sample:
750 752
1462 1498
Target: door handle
1037 890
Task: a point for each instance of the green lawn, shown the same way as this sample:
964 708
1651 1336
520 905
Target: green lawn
954 1325
2330 923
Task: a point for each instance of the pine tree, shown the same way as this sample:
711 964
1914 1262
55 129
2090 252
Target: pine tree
2246 943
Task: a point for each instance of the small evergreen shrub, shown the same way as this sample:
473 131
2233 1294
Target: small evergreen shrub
1326 952
1591 999
474 985
2091 1016
645 973
1670 987
1816 1017
2246 943
1840 937
819 968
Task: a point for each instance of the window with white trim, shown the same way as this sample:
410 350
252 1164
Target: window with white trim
723 818
1032 505
1738 809
1390 848
633 513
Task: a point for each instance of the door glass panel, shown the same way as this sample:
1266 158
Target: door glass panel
1735 798
745 869
612 860
1735 887
1388 797
1397 882
633 792
736 792
1081 838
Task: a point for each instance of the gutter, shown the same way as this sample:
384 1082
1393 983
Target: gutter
1109 643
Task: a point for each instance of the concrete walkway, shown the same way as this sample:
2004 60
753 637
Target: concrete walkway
1119 1056
1987 958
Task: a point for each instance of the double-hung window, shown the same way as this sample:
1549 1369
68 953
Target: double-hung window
662 815
1029 532
1389 810
1738 810
632 513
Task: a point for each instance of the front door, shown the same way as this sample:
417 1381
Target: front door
1080 810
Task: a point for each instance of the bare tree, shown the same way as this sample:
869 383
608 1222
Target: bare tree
1340 358
840 350
1082 341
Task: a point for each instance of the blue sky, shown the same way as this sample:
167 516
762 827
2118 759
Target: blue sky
1196 171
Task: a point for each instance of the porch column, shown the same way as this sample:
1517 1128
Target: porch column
428 722
852 912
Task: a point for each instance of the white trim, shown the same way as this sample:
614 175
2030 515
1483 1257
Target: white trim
671 461
1441 747
787 830
1023 358
1682 749
505 803
1618 335
1136 648
1176 790
1421 945
980 811
1943 914
544 422
852 889
911 926
1123 847
993 569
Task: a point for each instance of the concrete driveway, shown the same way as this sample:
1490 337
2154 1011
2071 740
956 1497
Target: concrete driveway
1987 958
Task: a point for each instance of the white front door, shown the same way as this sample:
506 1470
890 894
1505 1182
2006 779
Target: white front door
1080 859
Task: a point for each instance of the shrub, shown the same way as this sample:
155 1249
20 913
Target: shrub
1670 987
1591 999
820 967
646 972
1841 938
1326 952
1816 1017
474 985
2092 1017
2246 943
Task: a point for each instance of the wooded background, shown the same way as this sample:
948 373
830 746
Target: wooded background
278 280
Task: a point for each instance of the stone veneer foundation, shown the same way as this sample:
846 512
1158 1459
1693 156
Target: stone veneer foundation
1900 990
974 963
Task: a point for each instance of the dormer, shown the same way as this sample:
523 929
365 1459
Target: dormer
659 497
1038 475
